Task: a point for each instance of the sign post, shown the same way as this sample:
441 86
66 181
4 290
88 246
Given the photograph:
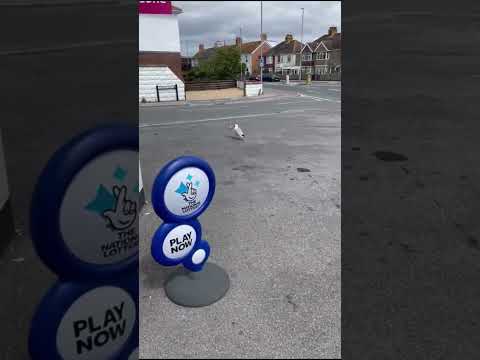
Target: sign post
84 226
182 191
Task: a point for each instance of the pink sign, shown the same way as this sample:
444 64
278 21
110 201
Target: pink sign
155 7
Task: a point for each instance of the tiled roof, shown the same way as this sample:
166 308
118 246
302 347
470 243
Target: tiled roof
331 42
205 54
285 47
247 48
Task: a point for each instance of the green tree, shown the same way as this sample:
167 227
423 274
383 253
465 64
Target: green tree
223 65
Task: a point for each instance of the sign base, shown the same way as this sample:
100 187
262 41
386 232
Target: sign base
197 289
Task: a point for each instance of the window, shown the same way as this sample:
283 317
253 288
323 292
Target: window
323 56
289 58
307 57
269 60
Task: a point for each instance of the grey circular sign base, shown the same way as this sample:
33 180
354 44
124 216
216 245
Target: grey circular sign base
196 289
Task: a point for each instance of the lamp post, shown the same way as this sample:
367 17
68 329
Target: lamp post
241 58
261 44
301 53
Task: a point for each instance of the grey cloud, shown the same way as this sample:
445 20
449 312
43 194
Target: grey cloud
208 21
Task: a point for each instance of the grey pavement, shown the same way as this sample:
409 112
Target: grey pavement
273 225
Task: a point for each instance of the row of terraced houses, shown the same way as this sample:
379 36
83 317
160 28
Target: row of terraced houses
320 58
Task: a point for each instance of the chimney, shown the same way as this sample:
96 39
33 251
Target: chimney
332 30
263 37
238 41
289 38
201 48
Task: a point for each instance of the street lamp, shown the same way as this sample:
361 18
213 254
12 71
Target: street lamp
301 41
261 45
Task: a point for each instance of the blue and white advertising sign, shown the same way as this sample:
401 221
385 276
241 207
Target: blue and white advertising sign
183 189
86 321
181 192
84 216
85 207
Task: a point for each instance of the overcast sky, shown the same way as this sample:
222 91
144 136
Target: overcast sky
208 21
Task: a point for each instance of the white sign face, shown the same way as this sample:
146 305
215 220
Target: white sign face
186 191
100 208
134 355
179 241
97 324
199 256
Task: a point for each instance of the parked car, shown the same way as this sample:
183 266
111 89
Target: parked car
271 77
266 77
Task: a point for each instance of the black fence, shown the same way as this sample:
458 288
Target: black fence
172 87
210 85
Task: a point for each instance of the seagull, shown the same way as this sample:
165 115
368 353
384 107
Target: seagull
238 131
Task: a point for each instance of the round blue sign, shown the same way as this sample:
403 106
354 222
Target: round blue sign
89 320
172 243
84 210
183 189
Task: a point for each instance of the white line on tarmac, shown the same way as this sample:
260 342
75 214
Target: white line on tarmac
224 118
318 98
294 102
334 89
241 103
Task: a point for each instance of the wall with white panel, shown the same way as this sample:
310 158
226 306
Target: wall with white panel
150 76
158 33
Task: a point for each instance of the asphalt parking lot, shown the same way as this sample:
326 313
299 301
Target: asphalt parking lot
273 225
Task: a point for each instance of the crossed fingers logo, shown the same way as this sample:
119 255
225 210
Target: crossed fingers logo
124 211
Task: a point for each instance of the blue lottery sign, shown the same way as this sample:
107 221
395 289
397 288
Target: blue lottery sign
86 320
181 192
183 189
85 206
84 217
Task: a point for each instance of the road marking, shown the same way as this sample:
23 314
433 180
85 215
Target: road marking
182 122
318 98
334 89
294 102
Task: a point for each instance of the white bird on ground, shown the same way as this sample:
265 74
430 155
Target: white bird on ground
238 131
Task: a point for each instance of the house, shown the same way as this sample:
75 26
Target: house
284 58
159 58
204 54
324 55
249 53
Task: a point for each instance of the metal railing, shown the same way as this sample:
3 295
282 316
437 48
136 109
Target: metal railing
171 87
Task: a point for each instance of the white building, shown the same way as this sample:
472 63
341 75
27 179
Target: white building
160 69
